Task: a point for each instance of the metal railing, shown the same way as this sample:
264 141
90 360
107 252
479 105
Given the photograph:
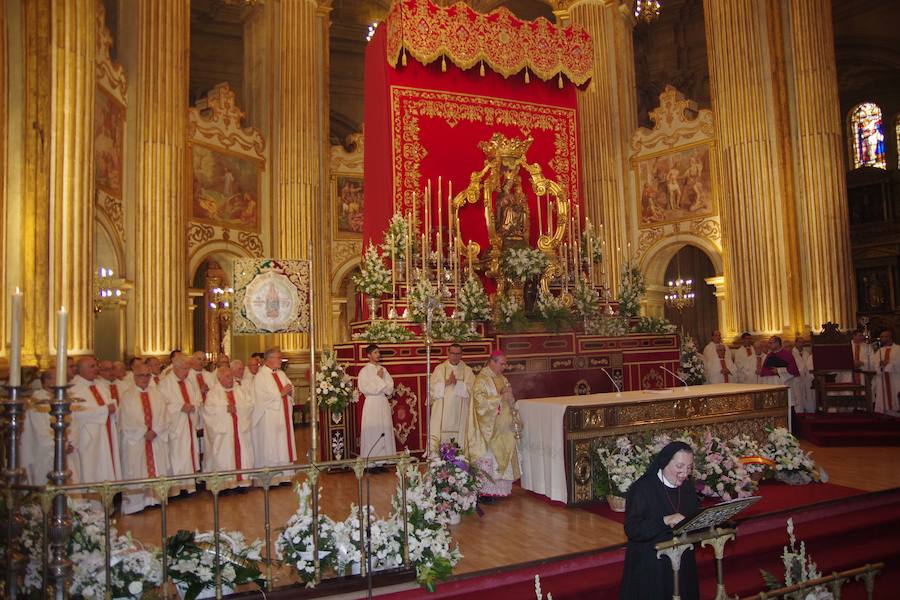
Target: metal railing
834 582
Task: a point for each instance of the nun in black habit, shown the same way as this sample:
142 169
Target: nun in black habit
657 502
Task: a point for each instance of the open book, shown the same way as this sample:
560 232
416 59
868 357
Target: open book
714 515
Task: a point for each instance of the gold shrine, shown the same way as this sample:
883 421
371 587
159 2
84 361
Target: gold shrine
498 185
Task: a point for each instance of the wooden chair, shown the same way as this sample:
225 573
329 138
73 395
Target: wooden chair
832 351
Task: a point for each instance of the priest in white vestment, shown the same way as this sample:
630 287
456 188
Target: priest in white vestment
377 429
199 375
95 425
228 423
250 371
862 359
155 370
491 440
887 379
745 361
37 434
802 384
721 369
273 417
107 378
183 402
145 446
451 388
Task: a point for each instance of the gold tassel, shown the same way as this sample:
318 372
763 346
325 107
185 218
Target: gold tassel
527 79
403 58
482 69
560 83
443 65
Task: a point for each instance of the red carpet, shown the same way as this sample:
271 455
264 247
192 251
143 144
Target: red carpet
847 531
849 429
776 496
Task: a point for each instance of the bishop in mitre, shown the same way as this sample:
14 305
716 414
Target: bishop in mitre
490 439
228 422
451 388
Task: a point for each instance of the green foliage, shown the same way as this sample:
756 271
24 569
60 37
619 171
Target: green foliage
472 303
373 279
587 299
385 332
451 329
654 325
510 315
631 290
522 264
554 313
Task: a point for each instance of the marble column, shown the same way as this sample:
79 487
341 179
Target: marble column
159 230
607 112
823 228
301 134
756 202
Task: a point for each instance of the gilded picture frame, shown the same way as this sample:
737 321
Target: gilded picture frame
224 188
347 191
675 186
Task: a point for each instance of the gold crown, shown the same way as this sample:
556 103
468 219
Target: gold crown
502 147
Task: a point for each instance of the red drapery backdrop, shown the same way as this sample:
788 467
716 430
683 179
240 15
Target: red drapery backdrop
422 122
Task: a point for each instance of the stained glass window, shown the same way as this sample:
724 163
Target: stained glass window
867 136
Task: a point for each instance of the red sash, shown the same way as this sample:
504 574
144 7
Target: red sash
114 393
112 453
156 379
288 423
148 422
855 360
232 408
886 381
749 351
202 385
187 401
724 368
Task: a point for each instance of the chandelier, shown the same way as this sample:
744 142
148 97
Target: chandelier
107 291
681 294
220 303
646 10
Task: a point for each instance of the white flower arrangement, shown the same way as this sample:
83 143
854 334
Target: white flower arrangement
691 366
654 325
294 545
798 568
623 464
631 289
524 263
510 314
422 294
607 325
192 561
472 302
430 545
749 452
792 464
396 235
453 329
373 279
718 471
586 297
553 311
333 385
385 332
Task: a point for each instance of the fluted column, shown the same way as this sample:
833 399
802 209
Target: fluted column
827 290
159 232
73 31
4 267
754 206
607 112
301 123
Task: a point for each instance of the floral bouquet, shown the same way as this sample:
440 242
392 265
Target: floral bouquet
457 482
553 311
622 465
510 315
421 294
792 464
453 329
607 325
294 545
692 368
718 472
385 332
654 325
373 279
522 264
396 236
631 289
385 544
587 299
333 386
430 548
134 569
588 239
751 456
192 562
798 568
472 303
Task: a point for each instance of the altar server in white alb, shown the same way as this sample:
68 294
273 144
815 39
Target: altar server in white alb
451 391
376 384
37 434
228 422
802 384
744 359
183 402
273 406
145 438
887 379
95 426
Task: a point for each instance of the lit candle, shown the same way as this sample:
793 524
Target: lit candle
576 260
570 221
424 271
469 257
440 235
61 375
408 261
590 255
393 274
566 265
15 341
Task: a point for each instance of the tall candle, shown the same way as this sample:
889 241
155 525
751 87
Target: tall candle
469 257
540 217
576 260
61 375
424 263
570 220
408 261
566 265
15 341
393 274
590 255
427 245
440 235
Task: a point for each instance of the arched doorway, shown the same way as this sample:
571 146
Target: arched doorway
701 319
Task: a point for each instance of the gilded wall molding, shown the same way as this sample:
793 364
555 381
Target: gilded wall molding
216 120
676 122
110 75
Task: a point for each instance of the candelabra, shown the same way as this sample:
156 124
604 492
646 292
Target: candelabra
680 295
646 10
107 290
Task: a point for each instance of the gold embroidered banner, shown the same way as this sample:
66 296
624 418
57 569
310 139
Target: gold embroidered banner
498 39
271 296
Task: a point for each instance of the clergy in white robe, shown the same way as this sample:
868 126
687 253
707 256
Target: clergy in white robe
712 361
273 416
887 379
862 359
721 369
96 435
377 429
155 370
228 423
250 371
145 447
183 418
802 384
199 375
37 435
744 358
451 388
491 440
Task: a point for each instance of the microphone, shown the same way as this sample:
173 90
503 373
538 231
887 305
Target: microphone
369 520
369 453
616 385
675 375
